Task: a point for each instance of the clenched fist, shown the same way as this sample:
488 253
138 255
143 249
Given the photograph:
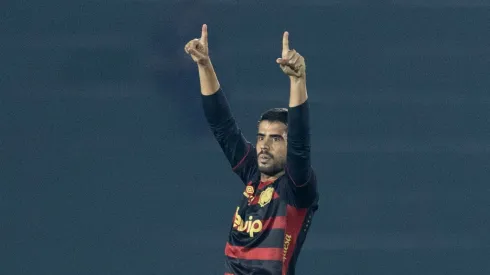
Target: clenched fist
198 48
291 62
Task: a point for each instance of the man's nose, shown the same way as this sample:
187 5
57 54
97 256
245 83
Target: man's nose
265 145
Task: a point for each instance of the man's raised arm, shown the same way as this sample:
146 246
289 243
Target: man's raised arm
298 152
198 50
236 148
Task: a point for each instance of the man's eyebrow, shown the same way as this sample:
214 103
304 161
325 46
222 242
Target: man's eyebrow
273 135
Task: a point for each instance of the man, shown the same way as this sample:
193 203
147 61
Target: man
280 196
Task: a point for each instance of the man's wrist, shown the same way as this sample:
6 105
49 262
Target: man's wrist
297 94
297 80
205 65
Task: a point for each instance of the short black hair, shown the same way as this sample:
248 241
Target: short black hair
275 115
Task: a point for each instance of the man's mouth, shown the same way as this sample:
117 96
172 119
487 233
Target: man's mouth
263 158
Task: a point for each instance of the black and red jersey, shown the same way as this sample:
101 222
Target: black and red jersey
271 221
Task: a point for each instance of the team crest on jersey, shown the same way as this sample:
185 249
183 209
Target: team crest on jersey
266 196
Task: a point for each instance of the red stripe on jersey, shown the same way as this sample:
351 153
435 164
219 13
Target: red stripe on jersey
274 222
295 218
263 184
257 253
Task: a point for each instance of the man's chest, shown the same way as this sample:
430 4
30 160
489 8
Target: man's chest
261 195
259 210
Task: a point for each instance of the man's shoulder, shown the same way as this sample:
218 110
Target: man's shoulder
301 195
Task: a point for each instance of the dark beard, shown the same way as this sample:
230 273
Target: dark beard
271 170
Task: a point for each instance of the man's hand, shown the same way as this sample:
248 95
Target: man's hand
198 48
291 62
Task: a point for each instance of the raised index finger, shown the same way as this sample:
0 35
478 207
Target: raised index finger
285 42
204 34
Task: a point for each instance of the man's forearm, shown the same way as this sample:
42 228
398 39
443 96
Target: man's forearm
298 152
298 157
298 94
225 129
209 81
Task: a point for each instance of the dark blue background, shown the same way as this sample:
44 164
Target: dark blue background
107 165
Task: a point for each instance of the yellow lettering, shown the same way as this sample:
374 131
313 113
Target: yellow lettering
243 226
250 226
248 223
238 219
287 241
255 227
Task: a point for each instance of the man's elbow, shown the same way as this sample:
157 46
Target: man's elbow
299 176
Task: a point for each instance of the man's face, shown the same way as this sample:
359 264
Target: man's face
271 147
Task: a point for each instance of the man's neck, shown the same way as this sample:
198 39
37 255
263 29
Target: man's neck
264 177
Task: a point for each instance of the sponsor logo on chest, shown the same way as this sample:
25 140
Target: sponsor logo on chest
250 226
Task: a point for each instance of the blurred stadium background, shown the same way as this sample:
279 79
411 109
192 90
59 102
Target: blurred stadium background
107 165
